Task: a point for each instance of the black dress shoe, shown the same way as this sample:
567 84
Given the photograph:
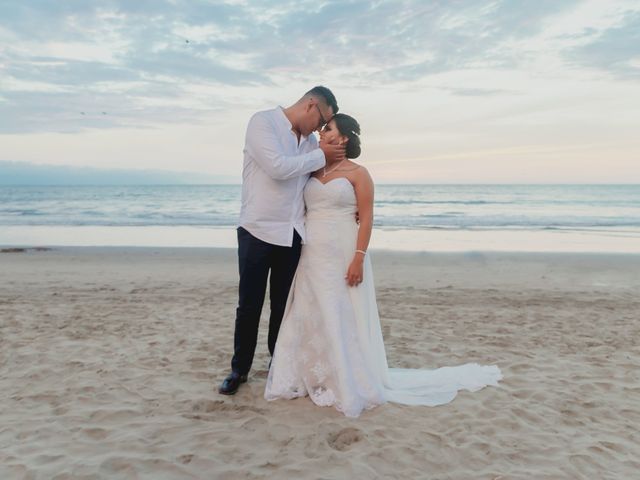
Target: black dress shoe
231 383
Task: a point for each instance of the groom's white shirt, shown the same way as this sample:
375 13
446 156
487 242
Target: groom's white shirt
275 170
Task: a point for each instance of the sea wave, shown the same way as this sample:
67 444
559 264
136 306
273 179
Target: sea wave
413 207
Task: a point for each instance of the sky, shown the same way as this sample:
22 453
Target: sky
544 91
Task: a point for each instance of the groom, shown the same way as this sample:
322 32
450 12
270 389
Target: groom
279 154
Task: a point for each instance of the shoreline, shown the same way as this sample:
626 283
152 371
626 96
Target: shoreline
436 240
79 249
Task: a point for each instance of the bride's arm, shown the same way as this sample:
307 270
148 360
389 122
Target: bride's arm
363 186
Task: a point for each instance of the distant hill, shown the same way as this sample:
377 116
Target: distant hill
22 173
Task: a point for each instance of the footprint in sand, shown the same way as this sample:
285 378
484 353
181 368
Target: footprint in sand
344 438
208 406
96 433
215 406
184 459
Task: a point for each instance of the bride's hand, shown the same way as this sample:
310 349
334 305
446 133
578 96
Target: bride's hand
355 271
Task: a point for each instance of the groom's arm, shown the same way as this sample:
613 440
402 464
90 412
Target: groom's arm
263 145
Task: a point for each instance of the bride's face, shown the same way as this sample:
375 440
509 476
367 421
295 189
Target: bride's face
331 135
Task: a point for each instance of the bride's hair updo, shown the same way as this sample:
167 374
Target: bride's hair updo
349 127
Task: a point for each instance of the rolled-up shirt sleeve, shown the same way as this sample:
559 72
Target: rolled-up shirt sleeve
263 145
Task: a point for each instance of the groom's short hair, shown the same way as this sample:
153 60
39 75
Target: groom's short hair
326 94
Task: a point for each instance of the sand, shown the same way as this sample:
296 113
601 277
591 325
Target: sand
110 360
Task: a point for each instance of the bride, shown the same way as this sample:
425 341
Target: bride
330 344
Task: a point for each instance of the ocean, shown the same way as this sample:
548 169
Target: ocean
407 217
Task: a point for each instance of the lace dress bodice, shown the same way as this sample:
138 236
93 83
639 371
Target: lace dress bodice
334 200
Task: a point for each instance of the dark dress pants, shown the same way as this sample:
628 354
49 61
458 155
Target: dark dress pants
256 259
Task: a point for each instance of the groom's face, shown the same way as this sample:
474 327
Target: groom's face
317 115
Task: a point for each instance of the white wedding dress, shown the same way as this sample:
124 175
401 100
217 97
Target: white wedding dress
330 343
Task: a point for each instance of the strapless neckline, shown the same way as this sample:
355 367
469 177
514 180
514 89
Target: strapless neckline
332 180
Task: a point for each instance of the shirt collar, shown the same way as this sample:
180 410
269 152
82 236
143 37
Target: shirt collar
283 118
287 124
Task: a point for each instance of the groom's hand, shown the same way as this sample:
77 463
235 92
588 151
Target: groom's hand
333 153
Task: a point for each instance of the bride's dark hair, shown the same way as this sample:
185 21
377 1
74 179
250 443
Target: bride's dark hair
349 127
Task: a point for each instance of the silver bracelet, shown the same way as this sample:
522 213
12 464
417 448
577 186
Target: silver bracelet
361 251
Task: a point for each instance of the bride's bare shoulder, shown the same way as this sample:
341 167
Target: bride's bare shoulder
360 173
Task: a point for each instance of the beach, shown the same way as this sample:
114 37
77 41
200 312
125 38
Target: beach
111 359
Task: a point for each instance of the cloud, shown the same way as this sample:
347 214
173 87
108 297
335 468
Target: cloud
615 50
145 58
476 92
125 56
